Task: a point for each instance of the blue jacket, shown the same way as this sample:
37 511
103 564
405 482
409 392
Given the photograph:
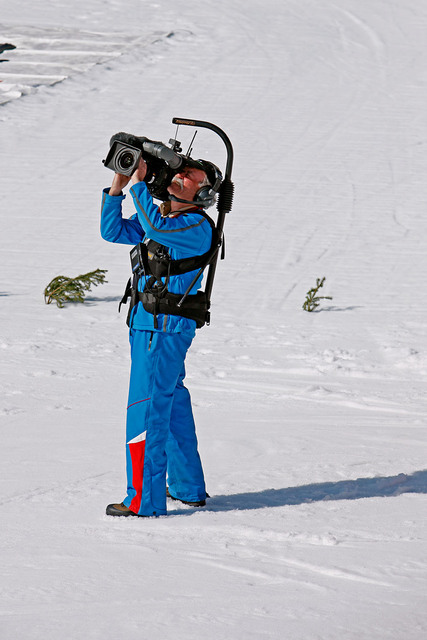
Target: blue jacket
187 234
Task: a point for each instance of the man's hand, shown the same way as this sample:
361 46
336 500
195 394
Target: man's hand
118 184
120 181
140 173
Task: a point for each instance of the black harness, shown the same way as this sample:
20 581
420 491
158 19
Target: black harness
151 260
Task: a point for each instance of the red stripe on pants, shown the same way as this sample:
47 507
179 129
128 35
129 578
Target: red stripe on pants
137 453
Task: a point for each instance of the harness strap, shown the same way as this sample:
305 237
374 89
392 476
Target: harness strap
194 307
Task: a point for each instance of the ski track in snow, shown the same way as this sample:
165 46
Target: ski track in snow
48 56
311 426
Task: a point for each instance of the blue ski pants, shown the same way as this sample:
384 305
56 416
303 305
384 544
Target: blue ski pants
160 430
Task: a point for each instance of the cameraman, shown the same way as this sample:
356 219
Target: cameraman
160 429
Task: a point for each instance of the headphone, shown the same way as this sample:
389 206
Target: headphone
205 196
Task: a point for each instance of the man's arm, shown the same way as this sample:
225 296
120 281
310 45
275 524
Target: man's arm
190 233
115 228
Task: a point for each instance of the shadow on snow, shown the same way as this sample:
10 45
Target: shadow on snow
380 487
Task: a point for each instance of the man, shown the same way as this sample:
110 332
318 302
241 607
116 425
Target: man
160 430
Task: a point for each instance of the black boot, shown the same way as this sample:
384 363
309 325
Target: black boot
199 503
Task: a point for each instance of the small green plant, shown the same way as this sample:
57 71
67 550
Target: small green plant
312 300
62 289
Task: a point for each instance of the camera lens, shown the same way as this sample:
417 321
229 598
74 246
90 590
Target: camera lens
126 160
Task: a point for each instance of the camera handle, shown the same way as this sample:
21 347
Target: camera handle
225 200
161 151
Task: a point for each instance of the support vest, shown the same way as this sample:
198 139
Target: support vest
151 260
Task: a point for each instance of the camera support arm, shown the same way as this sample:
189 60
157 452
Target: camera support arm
224 203
218 131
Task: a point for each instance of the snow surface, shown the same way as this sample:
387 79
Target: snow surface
312 426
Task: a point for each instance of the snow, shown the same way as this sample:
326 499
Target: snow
311 425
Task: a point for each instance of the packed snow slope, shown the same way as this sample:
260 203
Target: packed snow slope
312 426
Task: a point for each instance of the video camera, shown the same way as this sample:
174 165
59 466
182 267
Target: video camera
163 162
